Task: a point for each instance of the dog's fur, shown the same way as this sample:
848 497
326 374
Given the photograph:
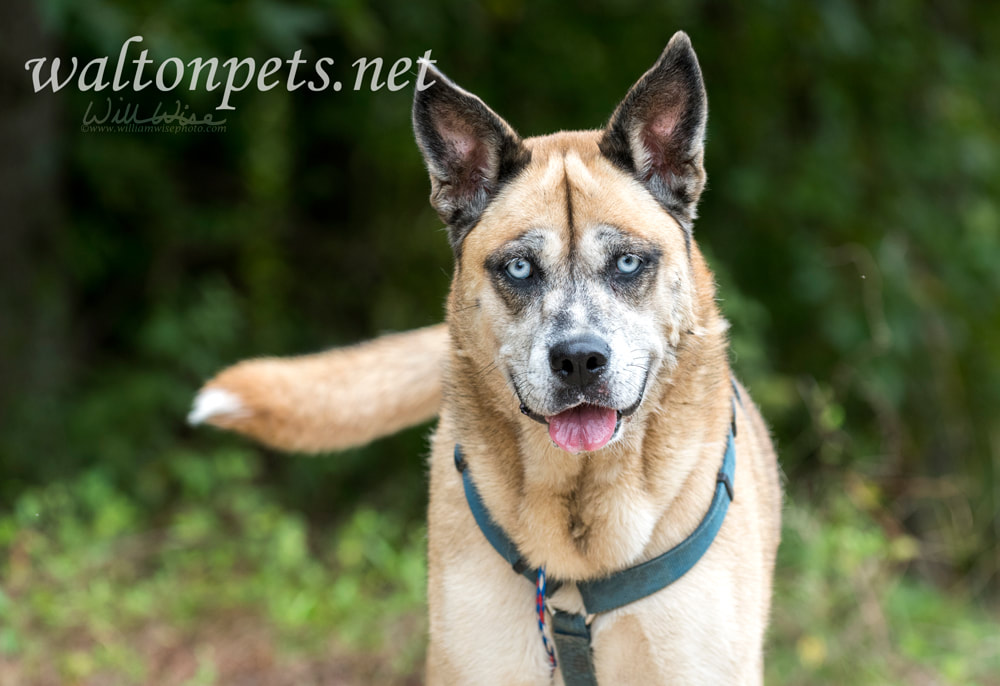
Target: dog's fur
572 206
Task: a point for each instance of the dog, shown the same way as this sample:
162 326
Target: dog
588 418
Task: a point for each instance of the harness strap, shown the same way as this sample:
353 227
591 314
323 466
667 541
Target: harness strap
634 583
569 630
576 660
491 530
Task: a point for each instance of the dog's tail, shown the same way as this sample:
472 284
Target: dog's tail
330 400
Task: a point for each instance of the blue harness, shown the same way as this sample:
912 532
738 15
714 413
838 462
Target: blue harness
572 631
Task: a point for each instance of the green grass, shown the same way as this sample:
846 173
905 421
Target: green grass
94 592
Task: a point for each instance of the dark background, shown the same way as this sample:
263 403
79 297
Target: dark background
852 219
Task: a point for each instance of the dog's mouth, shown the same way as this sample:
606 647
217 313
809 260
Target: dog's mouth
584 427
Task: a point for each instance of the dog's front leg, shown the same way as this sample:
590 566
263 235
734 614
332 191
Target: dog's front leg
483 627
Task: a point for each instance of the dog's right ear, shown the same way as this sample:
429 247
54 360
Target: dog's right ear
470 152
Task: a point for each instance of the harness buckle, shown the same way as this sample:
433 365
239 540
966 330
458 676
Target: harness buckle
588 619
460 463
724 479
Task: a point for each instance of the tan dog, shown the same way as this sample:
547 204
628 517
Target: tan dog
584 373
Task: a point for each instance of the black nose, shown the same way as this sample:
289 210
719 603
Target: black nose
578 361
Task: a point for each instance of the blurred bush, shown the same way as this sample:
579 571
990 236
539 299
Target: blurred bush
845 612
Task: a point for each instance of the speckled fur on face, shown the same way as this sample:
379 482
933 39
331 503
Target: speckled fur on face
572 216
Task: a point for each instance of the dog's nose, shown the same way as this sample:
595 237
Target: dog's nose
578 361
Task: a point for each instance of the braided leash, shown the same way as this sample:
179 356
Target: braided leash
540 609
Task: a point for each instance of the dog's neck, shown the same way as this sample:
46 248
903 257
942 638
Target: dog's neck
589 514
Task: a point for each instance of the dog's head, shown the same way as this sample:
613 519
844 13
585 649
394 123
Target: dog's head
573 251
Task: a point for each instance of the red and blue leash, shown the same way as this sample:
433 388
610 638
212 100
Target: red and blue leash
540 609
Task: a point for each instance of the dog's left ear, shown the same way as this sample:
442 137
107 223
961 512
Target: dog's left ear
469 150
657 133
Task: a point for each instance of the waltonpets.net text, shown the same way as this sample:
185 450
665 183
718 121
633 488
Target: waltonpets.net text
232 75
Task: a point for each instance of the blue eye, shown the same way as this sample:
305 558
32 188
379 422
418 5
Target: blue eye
519 268
629 263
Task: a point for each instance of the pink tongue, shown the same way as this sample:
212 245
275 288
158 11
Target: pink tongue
583 428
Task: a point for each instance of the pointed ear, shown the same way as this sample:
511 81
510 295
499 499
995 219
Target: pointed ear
658 131
470 152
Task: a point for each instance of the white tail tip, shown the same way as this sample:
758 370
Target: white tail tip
215 402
